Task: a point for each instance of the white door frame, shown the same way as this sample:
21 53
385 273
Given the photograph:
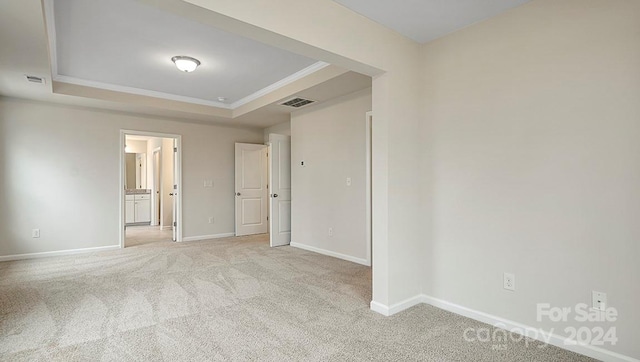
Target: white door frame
174 199
178 181
369 151
268 144
272 187
156 197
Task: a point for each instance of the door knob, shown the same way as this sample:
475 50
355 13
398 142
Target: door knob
238 194
275 195
171 194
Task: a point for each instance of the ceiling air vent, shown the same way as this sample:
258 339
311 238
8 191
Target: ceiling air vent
297 102
34 79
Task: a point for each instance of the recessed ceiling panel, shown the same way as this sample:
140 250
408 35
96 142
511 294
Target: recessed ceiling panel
128 43
425 20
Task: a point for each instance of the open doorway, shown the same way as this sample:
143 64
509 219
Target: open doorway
150 181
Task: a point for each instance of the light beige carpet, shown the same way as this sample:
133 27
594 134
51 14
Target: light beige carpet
140 235
226 299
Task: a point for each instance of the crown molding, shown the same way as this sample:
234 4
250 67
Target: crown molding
48 7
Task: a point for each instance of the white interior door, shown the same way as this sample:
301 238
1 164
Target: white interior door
251 189
174 223
280 190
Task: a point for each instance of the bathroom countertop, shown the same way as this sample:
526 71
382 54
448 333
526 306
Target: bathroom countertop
137 191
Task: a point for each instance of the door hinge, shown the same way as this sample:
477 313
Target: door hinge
267 218
175 187
175 223
175 149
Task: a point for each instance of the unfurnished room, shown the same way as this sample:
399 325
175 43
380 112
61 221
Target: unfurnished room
319 180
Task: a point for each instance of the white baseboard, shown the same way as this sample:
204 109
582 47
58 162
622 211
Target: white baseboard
531 332
47 254
398 307
553 339
331 253
380 308
207 237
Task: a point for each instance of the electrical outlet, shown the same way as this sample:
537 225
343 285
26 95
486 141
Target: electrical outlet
348 181
210 219
330 231
509 281
598 300
35 233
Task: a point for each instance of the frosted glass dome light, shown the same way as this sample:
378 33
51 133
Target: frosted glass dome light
185 64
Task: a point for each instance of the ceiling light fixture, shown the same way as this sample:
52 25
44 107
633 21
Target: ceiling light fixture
185 63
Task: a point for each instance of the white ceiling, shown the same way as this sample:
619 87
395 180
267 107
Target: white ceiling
426 20
127 43
24 44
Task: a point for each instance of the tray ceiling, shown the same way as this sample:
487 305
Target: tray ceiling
126 45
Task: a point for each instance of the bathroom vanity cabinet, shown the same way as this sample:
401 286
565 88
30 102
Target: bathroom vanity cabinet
138 208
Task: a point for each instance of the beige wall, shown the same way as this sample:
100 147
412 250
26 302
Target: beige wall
136 146
60 173
533 121
330 138
282 128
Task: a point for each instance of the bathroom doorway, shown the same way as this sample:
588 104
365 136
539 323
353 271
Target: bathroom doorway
150 203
